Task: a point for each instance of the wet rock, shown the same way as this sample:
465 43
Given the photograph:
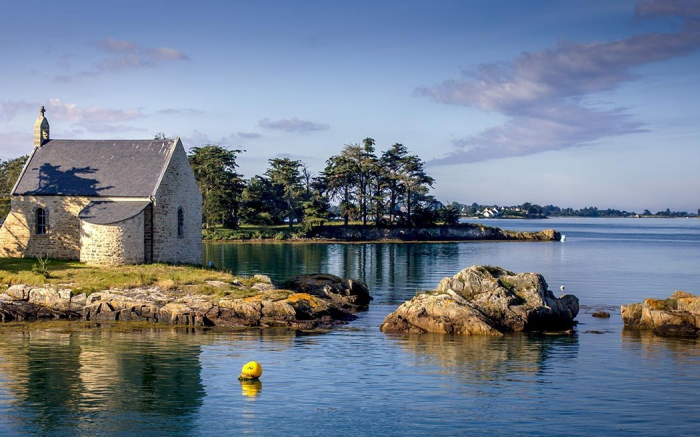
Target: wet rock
679 315
485 300
19 311
601 314
671 330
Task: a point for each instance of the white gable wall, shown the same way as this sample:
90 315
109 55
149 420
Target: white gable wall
178 189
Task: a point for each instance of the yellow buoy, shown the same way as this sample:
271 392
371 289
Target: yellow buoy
251 370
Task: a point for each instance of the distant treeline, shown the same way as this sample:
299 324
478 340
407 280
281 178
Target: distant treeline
390 188
530 210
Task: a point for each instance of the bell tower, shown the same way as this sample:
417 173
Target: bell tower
41 129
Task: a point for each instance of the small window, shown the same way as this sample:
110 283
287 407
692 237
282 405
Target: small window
40 221
180 223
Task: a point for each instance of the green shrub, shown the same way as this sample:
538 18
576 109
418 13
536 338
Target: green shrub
41 267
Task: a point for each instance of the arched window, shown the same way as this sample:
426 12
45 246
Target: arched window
40 221
180 223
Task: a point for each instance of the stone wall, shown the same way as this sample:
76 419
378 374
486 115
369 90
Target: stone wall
62 238
113 244
178 189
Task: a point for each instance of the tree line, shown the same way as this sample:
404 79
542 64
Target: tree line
533 210
9 172
359 184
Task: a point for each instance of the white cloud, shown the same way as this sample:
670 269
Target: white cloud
292 125
248 135
59 110
539 90
116 46
166 54
182 111
126 55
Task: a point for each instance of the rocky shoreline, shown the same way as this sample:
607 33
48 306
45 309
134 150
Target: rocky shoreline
677 316
304 302
479 300
359 234
461 232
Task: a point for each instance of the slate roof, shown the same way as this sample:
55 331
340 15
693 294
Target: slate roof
117 168
107 212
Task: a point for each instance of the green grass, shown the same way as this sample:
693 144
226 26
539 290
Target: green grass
251 232
505 284
82 278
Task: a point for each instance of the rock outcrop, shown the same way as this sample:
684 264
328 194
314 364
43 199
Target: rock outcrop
310 302
485 300
461 232
677 316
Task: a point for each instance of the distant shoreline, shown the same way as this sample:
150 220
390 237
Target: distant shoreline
577 216
367 234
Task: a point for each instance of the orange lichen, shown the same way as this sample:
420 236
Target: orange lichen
256 298
303 296
659 304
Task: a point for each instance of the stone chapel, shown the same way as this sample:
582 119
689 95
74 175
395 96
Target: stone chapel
105 202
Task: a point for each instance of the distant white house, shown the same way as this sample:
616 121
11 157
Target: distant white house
490 212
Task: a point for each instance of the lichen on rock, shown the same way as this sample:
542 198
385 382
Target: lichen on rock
485 300
677 316
311 302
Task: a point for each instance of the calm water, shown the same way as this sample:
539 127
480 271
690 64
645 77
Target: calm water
358 381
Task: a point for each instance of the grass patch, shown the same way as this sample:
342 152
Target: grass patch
251 232
82 278
505 284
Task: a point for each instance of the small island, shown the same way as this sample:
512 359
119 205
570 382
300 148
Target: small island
360 233
174 295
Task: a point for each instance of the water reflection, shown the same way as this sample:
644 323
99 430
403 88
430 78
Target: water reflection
652 345
86 382
251 389
399 268
489 359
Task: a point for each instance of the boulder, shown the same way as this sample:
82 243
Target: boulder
351 294
50 298
485 300
18 292
677 316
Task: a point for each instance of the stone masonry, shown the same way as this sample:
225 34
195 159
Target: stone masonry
113 244
62 238
178 189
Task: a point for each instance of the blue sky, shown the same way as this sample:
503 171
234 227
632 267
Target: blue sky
570 103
